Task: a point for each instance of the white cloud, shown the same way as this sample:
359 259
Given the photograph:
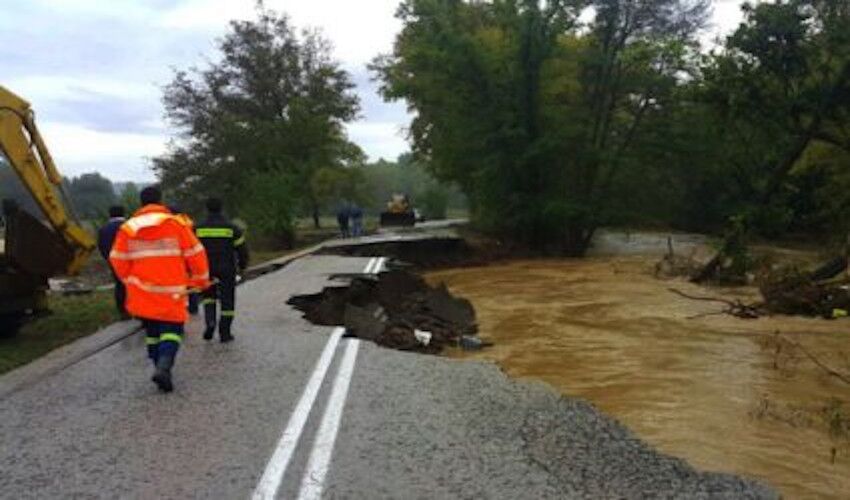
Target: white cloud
39 87
78 150
359 29
126 9
379 139
206 14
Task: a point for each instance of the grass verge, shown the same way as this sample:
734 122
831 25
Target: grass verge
72 317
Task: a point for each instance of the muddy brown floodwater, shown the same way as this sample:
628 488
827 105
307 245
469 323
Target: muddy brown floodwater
713 390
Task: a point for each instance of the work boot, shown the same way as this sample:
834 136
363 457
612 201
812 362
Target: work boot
210 319
224 330
162 375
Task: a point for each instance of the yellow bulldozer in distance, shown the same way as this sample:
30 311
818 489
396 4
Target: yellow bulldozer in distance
398 212
36 248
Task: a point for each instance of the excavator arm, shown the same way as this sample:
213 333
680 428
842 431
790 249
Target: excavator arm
36 247
24 148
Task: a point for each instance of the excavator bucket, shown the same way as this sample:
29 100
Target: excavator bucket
32 247
32 253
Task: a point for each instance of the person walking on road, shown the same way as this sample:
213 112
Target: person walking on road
225 245
105 239
157 256
356 220
342 217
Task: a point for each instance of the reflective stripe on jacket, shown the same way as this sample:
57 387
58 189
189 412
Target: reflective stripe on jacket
158 257
225 245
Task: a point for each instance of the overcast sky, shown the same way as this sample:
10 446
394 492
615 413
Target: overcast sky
93 69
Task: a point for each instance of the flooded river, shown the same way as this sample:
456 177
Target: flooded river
721 392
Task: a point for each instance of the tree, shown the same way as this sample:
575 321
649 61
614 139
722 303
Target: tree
535 119
92 195
275 105
270 209
780 85
129 197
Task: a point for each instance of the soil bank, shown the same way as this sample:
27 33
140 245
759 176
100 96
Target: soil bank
715 390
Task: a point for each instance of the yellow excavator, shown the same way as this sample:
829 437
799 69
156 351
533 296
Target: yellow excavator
36 248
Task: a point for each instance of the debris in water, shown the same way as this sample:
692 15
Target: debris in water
790 291
395 309
424 338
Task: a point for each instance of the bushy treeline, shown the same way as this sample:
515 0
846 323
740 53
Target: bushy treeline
90 195
556 118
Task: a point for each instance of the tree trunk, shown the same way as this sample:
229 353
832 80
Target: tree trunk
316 223
577 241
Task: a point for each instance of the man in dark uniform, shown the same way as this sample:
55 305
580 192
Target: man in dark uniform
227 253
105 239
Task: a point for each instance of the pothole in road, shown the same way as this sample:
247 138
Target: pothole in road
395 309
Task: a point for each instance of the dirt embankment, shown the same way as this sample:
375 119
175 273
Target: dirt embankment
396 309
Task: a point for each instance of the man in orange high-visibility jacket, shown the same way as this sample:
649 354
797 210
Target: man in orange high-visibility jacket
159 259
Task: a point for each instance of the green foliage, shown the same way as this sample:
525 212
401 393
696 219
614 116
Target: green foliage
434 203
778 88
406 175
92 195
71 317
129 198
273 106
269 208
534 118
552 128
332 185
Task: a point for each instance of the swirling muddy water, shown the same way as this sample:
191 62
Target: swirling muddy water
719 391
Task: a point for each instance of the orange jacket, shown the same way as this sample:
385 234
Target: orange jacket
158 257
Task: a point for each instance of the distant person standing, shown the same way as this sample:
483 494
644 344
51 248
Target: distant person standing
342 217
356 220
105 239
228 254
159 258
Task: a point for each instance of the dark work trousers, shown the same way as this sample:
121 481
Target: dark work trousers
225 292
162 338
342 220
120 297
193 303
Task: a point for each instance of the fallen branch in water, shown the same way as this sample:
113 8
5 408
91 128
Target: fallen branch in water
734 308
695 297
835 373
707 314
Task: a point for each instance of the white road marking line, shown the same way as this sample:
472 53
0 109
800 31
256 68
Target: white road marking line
380 265
313 482
276 468
370 265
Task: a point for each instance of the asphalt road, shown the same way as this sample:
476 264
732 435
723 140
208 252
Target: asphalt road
384 424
